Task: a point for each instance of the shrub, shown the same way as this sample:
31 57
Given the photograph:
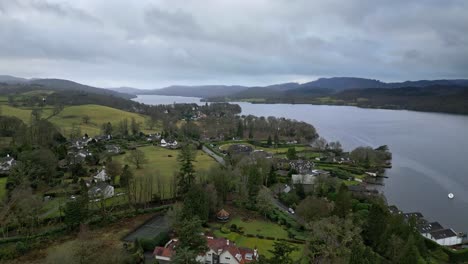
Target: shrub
225 230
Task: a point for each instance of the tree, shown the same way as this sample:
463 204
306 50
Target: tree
291 154
123 127
312 208
282 253
335 146
190 233
251 132
269 142
113 169
343 202
106 128
186 174
126 176
137 158
134 127
271 177
196 203
240 129
86 119
276 139
331 240
319 144
263 202
185 256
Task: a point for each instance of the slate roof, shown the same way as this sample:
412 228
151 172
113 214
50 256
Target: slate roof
430 227
444 233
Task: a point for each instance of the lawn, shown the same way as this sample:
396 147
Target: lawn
98 115
23 114
260 227
263 245
3 190
163 162
271 150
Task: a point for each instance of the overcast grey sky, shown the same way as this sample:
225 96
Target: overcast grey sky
150 44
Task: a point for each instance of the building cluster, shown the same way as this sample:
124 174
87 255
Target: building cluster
431 230
6 163
220 251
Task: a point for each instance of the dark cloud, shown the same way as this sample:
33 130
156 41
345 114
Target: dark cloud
155 43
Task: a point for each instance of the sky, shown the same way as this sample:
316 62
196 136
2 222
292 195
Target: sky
152 44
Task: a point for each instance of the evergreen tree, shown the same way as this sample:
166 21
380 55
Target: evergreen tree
291 154
251 135
186 176
196 203
271 177
269 142
240 129
343 202
276 139
282 253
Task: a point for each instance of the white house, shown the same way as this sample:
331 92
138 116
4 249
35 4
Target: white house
445 237
101 176
101 190
6 164
220 251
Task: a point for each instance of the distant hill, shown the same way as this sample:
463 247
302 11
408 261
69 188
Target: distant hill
322 86
61 85
12 79
203 91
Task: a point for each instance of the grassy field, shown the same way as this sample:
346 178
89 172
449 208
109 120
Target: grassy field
263 245
163 162
271 150
74 115
260 227
2 187
98 115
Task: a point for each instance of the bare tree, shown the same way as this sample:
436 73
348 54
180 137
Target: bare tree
137 158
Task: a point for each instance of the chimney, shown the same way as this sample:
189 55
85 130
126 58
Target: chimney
227 242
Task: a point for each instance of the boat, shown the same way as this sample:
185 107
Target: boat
450 195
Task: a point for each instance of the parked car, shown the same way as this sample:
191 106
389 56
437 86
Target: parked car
290 210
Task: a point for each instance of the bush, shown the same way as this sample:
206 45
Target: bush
225 230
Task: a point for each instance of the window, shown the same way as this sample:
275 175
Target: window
227 257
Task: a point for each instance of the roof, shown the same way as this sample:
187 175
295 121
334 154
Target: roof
222 213
430 227
444 233
303 179
417 215
218 245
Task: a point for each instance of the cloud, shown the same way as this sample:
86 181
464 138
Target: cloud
154 43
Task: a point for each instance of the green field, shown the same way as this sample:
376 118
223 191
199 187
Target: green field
263 245
270 150
98 115
163 163
74 115
3 190
260 227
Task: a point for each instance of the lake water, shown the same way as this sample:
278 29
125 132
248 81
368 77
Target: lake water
430 150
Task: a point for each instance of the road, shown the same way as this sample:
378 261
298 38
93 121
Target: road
284 208
215 156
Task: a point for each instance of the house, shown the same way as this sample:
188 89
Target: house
113 149
427 228
101 190
223 215
394 210
82 142
301 166
308 179
169 143
101 176
6 163
445 237
220 251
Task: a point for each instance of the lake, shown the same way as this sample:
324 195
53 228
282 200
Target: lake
430 150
